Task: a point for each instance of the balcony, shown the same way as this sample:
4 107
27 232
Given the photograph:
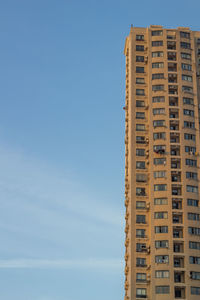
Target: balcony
176 203
176 190
173 101
175 163
177 218
179 292
174 125
171 45
178 248
173 89
171 56
178 262
173 113
177 232
175 150
175 176
175 137
172 67
172 78
179 277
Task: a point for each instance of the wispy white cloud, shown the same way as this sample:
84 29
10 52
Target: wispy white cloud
109 264
46 212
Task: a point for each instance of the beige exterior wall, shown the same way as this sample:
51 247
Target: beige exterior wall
169 250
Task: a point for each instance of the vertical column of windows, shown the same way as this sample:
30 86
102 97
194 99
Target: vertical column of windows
142 164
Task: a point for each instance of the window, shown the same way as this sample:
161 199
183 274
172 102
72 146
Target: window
140 127
139 48
185 35
188 112
185 55
140 140
193 202
191 162
140 115
162 274
140 92
140 164
190 150
194 230
193 217
157 54
158 87
186 67
140 247
161 215
163 289
194 245
160 187
159 161
157 33
187 89
192 189
141 219
158 65
159 149
187 78
140 177
140 152
160 174
191 175
159 136
159 123
160 201
141 293
140 103
140 80
161 244
141 262
195 275
158 76
189 101
139 58
141 276
139 37
140 233
190 125
195 290
194 260
157 43
161 229
140 204
162 259
189 137
158 99
158 111
139 69
140 191
185 45
171 45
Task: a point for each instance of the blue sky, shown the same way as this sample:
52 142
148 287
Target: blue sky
62 143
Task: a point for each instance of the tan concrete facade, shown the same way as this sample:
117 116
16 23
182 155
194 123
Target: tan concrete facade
162 164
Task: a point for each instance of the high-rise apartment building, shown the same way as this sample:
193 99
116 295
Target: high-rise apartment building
162 164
